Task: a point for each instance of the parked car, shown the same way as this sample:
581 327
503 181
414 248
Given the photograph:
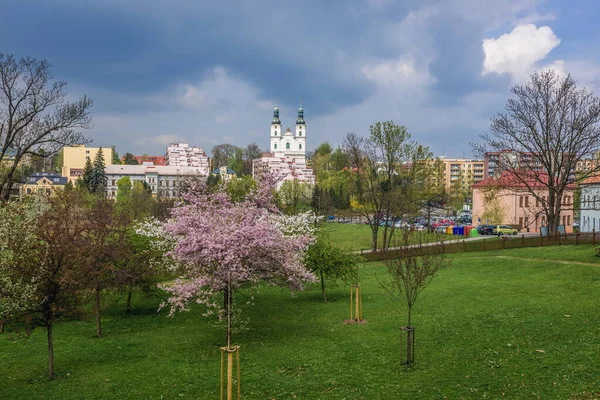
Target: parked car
504 230
485 229
418 227
441 228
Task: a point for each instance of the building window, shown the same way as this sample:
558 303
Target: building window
521 202
113 181
287 146
275 146
87 157
526 201
28 191
275 133
300 146
300 133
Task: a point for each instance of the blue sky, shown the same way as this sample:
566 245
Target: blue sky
208 72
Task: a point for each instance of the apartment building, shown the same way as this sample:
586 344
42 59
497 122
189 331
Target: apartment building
182 155
74 159
165 181
461 171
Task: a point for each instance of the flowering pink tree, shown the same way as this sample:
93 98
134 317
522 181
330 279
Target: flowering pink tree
222 245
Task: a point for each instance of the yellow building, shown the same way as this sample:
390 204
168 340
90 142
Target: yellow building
43 183
225 173
462 171
74 159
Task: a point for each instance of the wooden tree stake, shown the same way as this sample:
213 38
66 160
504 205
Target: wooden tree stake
230 351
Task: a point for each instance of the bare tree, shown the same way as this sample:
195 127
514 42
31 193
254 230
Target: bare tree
35 118
546 131
383 168
365 182
409 275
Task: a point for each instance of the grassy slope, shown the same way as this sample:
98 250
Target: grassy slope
479 326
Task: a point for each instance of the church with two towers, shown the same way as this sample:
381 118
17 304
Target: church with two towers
286 158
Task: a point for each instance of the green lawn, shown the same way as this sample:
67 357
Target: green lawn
360 237
495 324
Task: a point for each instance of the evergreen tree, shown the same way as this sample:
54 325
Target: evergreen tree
84 180
97 182
130 159
116 159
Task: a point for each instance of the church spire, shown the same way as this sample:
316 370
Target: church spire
300 120
275 120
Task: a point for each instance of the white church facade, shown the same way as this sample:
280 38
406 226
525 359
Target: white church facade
286 158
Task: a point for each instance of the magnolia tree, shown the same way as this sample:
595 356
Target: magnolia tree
222 245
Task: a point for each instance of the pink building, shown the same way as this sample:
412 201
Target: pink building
503 200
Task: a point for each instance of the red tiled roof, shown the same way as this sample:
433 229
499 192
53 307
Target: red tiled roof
507 179
591 180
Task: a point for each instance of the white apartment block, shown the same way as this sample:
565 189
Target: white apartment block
182 155
165 181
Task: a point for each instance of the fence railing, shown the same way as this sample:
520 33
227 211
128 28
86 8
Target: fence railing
504 242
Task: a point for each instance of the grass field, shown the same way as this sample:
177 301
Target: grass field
359 236
520 323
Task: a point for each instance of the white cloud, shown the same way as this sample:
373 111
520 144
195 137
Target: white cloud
516 53
193 97
402 72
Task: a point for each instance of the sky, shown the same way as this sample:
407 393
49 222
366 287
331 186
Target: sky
210 72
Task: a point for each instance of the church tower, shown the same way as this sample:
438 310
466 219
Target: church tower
275 130
300 134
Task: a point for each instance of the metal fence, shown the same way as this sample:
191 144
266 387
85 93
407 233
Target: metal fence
504 242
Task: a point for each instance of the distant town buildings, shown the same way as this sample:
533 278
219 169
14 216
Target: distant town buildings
182 155
590 205
225 173
505 200
164 181
155 160
43 183
74 159
286 159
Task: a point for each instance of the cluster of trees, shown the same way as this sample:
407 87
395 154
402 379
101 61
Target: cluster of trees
237 158
59 253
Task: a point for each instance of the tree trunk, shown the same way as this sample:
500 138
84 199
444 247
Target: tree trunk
409 348
2 324
98 320
374 230
323 288
129 293
50 351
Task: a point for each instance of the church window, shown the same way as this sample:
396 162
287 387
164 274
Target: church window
300 146
275 146
299 133
287 145
275 133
